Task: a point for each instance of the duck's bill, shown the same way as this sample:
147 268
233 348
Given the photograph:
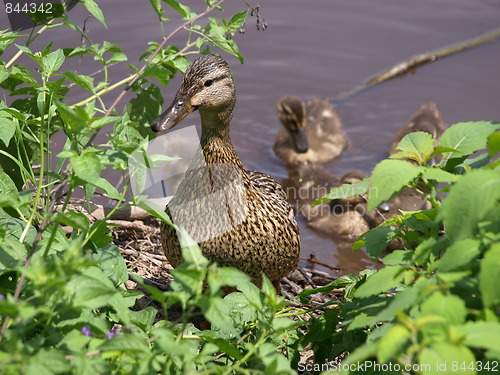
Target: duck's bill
180 108
299 141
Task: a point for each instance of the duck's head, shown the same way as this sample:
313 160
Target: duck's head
292 114
207 86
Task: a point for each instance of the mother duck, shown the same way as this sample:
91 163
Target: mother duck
240 218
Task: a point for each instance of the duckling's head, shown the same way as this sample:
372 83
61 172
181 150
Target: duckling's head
207 86
292 114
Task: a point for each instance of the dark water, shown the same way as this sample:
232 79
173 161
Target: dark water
321 48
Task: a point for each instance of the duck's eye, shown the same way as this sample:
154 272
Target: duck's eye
208 82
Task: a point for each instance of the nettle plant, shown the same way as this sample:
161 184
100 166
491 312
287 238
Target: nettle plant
63 304
435 305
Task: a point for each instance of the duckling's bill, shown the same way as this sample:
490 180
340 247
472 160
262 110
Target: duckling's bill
180 108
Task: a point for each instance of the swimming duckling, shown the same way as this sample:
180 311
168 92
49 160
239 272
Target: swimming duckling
313 131
426 119
239 218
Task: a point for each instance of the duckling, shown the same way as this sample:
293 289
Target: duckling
239 218
426 119
339 217
313 131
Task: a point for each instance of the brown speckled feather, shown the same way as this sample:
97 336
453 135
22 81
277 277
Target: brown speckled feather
239 218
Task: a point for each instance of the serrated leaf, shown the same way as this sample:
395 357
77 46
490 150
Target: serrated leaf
381 281
81 80
112 263
216 311
388 178
74 219
87 166
467 137
472 197
449 306
225 276
440 357
7 129
377 239
69 117
344 191
53 61
126 343
489 277
6 183
458 255
439 175
481 335
90 292
94 9
392 343
183 10
238 20
417 146
105 185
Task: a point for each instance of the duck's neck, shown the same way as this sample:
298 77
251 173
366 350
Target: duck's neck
215 141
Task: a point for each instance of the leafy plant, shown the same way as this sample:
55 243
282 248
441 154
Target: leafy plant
63 303
435 305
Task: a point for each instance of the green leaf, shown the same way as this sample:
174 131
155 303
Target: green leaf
440 357
70 118
7 128
458 255
481 335
393 343
53 61
388 178
94 9
101 234
191 252
377 239
112 263
448 306
489 277
344 191
6 184
91 290
467 137
74 219
87 166
335 284
238 20
81 80
15 228
183 10
125 343
469 201
47 361
104 185
381 281
494 144
216 311
225 276
416 146
439 175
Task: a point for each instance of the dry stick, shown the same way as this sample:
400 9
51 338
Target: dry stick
417 60
60 186
313 260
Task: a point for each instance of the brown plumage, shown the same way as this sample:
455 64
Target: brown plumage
426 119
239 218
313 131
